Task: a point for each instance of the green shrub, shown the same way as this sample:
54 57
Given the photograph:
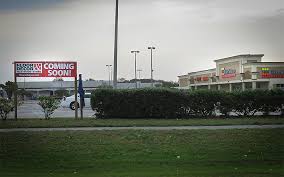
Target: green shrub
225 103
247 103
170 103
49 105
139 103
202 103
271 101
6 106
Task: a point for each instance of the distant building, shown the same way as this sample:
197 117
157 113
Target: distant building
49 88
241 72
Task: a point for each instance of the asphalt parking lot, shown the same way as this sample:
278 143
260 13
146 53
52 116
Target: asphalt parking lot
30 109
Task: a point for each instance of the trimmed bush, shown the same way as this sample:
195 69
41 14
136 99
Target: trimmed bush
202 103
246 103
271 101
140 103
169 103
225 103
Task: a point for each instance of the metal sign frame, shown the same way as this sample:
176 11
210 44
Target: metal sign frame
38 70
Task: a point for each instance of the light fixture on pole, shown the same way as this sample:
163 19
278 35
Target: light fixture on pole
109 73
151 48
135 53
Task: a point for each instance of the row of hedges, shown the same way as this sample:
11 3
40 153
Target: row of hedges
168 103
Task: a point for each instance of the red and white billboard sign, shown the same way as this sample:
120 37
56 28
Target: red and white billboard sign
46 69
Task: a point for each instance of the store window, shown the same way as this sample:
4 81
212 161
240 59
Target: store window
281 86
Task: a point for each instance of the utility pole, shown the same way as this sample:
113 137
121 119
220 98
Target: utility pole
135 70
15 93
115 47
109 73
151 48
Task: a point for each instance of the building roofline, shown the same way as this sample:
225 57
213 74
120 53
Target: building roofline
242 55
276 62
213 69
183 75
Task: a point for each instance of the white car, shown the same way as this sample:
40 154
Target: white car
69 102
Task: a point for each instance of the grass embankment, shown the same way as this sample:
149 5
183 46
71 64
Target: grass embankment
89 122
222 153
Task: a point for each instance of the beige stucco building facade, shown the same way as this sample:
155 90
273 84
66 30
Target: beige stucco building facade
241 72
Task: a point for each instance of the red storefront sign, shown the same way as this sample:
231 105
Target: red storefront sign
267 73
205 78
46 69
199 79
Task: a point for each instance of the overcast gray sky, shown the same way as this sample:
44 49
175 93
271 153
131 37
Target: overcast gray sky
188 34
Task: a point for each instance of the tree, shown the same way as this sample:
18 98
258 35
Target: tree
105 87
24 93
6 106
90 79
1 92
121 79
10 88
158 85
169 84
57 79
62 92
49 105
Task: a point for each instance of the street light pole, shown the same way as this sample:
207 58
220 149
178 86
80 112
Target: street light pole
151 48
139 77
139 73
135 53
109 73
115 47
111 81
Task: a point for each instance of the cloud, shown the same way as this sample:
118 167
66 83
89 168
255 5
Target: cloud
16 5
188 34
220 10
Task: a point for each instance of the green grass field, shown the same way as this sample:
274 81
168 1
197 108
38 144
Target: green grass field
90 122
216 153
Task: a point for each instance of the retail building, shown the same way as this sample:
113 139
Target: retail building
241 72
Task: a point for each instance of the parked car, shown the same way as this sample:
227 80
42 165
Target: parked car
69 102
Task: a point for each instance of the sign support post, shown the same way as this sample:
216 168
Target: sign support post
76 98
81 108
82 95
15 93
